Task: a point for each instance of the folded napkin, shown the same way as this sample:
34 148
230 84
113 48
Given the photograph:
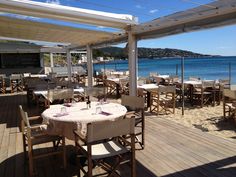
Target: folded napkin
105 113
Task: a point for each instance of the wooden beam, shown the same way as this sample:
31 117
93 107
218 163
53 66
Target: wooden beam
202 17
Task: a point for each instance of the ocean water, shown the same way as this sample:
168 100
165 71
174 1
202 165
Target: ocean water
204 68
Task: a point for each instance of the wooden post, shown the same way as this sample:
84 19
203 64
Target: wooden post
68 57
176 69
132 57
182 82
229 74
51 60
90 66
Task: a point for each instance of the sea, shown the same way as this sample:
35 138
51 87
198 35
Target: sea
204 68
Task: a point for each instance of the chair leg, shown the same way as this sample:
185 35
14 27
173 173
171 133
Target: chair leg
24 147
133 163
64 152
31 165
143 129
90 162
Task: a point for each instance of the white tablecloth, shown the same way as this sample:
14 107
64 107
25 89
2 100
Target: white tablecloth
78 115
148 86
198 83
44 93
193 82
117 80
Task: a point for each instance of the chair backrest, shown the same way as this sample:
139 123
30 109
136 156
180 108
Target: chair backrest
26 74
94 91
229 93
1 79
3 75
224 83
24 117
60 94
174 79
107 129
15 76
153 74
194 78
167 89
208 84
159 80
133 102
141 81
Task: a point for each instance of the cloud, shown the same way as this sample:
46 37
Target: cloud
225 47
138 6
53 1
153 11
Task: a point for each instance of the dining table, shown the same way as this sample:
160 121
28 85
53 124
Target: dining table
62 119
44 93
148 88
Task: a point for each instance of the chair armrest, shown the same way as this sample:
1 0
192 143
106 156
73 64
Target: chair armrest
36 126
34 117
130 114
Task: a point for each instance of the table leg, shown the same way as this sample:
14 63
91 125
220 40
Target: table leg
117 91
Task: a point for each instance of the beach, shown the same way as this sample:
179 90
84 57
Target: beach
207 119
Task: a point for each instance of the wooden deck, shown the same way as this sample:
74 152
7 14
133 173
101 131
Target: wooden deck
172 150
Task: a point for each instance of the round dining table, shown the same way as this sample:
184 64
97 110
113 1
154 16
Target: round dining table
63 119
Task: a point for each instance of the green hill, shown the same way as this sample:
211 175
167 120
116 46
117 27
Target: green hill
120 53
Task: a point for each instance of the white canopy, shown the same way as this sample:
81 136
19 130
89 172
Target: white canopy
217 13
66 13
29 30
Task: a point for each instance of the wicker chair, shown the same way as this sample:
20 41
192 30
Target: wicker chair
35 135
104 140
16 82
2 83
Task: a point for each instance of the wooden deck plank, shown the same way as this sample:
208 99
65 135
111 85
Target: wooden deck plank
171 150
180 153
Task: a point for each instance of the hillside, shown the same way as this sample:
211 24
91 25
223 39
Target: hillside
120 53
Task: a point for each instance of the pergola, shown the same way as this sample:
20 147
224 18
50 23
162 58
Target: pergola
215 14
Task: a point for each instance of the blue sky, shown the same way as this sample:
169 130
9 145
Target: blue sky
217 41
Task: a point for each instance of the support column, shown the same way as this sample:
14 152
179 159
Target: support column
51 60
68 56
41 59
90 65
132 57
